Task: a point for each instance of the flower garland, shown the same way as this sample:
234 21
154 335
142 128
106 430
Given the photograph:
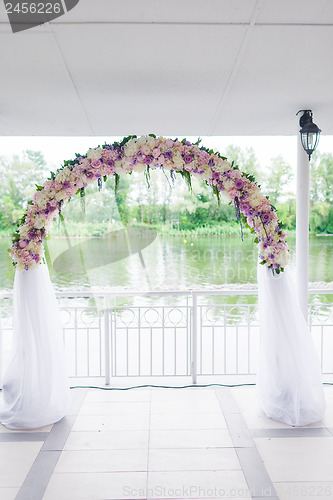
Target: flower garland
134 154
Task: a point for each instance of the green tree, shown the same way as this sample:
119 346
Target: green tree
276 181
321 172
18 177
246 160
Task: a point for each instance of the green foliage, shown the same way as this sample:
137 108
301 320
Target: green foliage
171 208
279 175
246 161
18 177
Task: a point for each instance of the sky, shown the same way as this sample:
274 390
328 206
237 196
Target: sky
58 149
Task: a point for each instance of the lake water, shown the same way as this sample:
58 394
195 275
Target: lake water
165 263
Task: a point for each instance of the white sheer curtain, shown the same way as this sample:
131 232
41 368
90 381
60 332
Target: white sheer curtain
35 389
289 382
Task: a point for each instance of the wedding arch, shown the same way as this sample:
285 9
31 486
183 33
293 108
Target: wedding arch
134 154
35 390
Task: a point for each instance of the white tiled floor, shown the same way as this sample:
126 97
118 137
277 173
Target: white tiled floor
163 443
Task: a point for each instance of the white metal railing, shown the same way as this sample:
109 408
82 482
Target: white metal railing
192 333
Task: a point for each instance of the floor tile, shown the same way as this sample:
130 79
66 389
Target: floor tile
185 407
200 438
304 490
45 429
16 460
190 394
110 423
115 408
97 486
297 459
8 493
194 421
107 440
102 461
94 396
193 484
193 459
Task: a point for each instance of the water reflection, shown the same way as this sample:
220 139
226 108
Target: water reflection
167 263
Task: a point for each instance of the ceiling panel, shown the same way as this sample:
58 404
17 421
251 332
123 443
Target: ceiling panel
282 71
162 11
159 83
219 67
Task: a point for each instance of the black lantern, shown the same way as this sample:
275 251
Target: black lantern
309 132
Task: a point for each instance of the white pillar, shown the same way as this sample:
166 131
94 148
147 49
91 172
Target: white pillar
302 227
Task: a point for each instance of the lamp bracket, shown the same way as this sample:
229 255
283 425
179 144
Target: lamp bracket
306 117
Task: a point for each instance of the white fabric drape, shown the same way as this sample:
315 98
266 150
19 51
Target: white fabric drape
35 389
289 382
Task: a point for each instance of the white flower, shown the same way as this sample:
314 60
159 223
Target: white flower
131 148
39 222
139 167
63 175
95 154
41 199
24 230
284 257
177 160
60 195
34 247
141 141
151 141
207 174
222 165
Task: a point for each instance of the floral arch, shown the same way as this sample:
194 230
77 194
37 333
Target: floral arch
35 386
142 154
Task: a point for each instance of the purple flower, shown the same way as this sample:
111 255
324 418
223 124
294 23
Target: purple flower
134 161
216 175
168 155
245 207
31 234
110 163
266 217
26 268
148 159
66 184
36 257
211 163
187 143
271 256
188 158
90 175
277 229
239 184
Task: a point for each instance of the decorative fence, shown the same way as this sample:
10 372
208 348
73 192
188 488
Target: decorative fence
189 334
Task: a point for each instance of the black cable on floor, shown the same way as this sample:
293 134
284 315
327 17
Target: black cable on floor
155 386
164 386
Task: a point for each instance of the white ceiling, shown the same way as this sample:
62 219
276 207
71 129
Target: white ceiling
172 67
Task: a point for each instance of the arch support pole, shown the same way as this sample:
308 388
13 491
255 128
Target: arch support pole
302 227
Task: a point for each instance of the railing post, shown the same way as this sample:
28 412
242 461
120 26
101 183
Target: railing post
107 341
194 360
